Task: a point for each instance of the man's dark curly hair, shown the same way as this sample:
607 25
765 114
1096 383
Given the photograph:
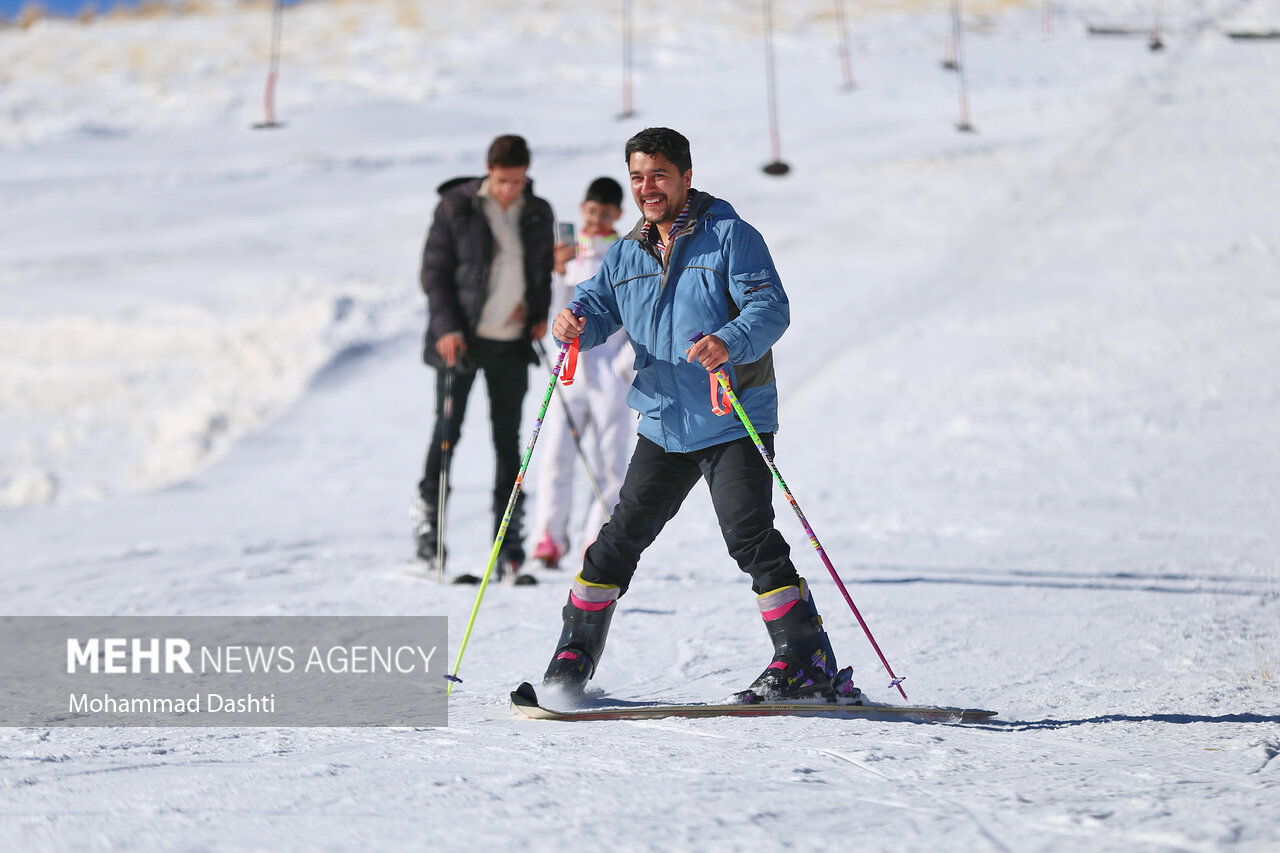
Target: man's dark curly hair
661 140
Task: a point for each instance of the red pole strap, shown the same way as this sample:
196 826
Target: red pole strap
570 363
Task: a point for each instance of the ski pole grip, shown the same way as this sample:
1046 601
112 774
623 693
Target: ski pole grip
693 339
570 360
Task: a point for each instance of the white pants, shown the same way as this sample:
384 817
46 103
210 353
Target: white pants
606 427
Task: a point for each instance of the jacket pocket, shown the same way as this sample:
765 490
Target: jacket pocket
756 285
643 394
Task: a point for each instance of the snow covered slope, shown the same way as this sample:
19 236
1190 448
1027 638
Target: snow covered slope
1030 406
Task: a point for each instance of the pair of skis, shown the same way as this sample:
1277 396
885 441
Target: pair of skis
429 570
524 701
511 578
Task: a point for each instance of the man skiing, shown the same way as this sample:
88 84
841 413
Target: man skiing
486 273
692 269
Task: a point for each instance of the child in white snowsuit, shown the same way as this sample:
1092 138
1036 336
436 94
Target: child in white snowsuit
596 400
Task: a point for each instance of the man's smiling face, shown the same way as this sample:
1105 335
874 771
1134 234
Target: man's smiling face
658 187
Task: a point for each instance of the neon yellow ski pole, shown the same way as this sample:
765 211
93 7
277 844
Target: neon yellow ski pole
506 516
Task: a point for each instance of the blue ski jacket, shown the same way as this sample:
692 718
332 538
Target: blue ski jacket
718 280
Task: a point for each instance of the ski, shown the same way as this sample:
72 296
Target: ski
524 701
518 579
426 570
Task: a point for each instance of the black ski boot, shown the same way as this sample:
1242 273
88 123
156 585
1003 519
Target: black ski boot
581 644
425 536
803 663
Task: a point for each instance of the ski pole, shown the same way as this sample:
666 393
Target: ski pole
577 440
723 379
446 456
506 516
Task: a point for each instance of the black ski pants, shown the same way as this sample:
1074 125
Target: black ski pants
506 376
655 486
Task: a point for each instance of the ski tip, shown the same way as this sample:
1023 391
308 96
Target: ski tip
524 696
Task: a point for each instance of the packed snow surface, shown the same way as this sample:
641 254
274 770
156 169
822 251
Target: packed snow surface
1030 406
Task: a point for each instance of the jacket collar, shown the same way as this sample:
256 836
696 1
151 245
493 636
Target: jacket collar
699 204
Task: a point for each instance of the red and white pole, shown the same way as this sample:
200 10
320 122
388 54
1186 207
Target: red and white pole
273 69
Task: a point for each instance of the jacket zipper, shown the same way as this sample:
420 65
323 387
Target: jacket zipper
662 286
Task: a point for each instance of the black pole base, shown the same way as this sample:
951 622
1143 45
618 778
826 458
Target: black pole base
267 125
777 167
965 127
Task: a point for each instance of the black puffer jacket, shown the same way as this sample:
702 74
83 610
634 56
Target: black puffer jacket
459 254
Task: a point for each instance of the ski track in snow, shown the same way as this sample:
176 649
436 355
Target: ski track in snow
1029 394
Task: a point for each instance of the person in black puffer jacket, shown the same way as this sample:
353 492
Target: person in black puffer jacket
486 273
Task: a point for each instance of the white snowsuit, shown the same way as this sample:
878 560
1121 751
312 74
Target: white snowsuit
597 402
